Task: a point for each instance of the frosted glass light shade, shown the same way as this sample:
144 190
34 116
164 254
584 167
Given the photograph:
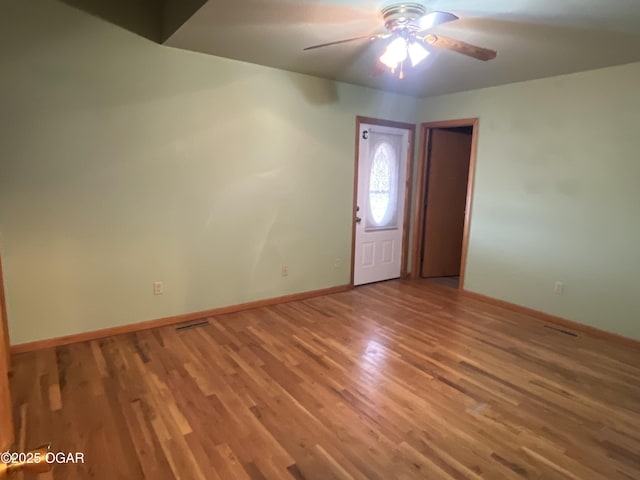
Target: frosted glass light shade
395 53
417 53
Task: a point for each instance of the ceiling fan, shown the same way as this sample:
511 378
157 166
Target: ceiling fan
407 26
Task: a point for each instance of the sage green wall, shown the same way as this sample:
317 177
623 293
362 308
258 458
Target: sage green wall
557 194
124 162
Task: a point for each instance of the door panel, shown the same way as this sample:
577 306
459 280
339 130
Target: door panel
381 183
447 182
6 420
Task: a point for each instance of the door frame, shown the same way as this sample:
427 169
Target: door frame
6 422
4 334
421 190
407 190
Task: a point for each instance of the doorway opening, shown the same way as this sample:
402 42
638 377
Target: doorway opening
446 166
382 195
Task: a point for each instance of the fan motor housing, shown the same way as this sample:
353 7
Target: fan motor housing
403 16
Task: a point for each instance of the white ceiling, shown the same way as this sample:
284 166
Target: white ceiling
534 39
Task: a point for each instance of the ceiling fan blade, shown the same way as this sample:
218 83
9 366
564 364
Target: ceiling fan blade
364 37
432 19
459 46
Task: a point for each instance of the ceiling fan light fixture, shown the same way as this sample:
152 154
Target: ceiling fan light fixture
395 53
408 27
417 53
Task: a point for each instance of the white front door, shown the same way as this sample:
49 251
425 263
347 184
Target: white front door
382 175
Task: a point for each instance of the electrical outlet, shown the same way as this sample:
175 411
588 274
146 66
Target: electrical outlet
158 288
285 271
558 288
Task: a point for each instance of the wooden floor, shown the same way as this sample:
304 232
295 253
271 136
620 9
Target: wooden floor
390 381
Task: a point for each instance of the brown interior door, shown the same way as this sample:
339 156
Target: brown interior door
447 179
6 419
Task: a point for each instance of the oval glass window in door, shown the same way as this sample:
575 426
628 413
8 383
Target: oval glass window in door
382 187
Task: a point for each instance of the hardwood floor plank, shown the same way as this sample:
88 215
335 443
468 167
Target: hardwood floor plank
402 379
